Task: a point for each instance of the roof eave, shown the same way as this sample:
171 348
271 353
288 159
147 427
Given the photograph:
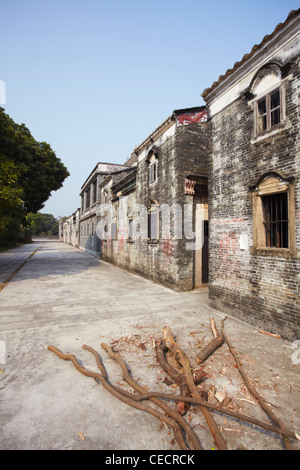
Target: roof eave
256 50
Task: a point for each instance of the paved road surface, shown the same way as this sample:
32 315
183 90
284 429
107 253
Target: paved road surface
64 297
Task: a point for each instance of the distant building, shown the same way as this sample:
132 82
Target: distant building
90 198
69 229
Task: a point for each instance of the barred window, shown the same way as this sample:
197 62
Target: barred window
275 213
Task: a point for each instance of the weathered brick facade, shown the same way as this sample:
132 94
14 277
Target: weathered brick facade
180 152
259 284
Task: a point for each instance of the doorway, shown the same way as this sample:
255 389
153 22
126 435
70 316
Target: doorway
201 248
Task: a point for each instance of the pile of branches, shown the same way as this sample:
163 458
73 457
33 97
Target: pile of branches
190 393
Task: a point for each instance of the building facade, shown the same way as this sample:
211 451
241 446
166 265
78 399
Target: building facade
254 185
69 229
90 199
160 204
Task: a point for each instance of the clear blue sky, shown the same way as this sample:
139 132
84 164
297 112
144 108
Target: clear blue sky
94 78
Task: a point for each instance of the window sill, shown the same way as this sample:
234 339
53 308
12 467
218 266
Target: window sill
275 252
269 133
153 241
129 240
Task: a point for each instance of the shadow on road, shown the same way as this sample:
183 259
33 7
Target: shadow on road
40 259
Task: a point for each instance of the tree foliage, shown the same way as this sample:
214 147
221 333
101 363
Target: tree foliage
42 224
29 172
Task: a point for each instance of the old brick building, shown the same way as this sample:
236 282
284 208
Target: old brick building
159 206
254 185
90 198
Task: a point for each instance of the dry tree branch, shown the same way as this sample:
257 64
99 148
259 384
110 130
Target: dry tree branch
180 356
172 413
221 409
178 378
187 399
263 403
213 344
117 393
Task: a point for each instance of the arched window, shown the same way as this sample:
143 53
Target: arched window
152 160
269 99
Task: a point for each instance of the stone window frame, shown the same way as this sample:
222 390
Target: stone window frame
270 184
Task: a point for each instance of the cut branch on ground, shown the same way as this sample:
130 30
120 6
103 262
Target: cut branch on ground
183 359
176 364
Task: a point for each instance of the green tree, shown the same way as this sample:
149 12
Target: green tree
11 203
29 172
42 224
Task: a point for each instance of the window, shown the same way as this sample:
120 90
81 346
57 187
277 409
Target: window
105 231
268 112
130 228
153 225
153 172
113 230
95 191
88 198
275 214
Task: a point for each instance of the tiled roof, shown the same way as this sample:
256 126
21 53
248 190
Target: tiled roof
291 15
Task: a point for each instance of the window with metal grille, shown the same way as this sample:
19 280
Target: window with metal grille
275 212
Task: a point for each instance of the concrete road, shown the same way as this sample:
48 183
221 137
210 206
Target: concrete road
66 298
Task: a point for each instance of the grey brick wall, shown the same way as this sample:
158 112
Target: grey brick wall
165 261
264 290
